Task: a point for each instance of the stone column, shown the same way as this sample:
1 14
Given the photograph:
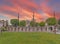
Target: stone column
47 28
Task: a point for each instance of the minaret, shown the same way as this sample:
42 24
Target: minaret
18 16
18 19
54 14
33 17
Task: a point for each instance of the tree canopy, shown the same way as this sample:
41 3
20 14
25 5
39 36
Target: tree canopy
59 21
42 24
51 21
23 23
15 22
32 23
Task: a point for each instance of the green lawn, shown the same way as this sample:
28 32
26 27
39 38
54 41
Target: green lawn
29 38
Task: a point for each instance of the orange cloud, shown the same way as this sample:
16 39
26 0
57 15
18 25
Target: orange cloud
24 8
24 13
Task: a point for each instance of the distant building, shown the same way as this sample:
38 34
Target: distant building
27 23
3 23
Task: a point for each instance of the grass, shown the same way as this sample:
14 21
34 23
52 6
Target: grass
29 38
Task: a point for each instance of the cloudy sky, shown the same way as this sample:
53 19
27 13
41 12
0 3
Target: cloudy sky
42 9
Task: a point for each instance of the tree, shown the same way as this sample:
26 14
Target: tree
15 22
42 24
36 24
32 23
59 21
51 21
2 29
22 23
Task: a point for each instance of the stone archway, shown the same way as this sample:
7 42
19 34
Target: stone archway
50 28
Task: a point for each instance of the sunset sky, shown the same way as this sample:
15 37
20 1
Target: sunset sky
42 9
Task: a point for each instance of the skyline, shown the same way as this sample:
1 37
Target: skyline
42 9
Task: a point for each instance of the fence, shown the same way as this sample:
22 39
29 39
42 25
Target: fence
25 29
30 29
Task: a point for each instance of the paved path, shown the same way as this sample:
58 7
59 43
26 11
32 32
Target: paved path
57 32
